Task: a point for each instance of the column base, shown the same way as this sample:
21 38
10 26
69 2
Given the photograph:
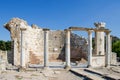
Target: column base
67 68
107 66
89 66
21 69
46 68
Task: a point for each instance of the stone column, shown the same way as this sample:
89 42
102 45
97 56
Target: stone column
67 49
46 48
108 49
22 58
15 51
89 48
99 39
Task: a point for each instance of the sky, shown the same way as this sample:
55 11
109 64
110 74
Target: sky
61 14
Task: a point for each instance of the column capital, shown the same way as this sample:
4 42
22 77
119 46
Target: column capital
46 29
107 32
99 24
89 31
67 30
23 29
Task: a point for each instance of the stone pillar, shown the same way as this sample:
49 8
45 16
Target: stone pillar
99 39
108 49
46 48
67 49
15 51
22 57
89 48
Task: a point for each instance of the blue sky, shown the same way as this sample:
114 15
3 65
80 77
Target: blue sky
61 14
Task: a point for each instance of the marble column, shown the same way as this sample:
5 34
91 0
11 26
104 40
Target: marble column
67 49
46 48
99 39
15 51
22 59
89 48
108 49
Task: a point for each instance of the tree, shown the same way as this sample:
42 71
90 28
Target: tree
8 45
2 45
114 38
5 45
116 47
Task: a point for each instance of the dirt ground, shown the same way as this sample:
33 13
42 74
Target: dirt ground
38 75
51 74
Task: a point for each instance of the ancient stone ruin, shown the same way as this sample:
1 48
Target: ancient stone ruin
35 45
42 54
32 41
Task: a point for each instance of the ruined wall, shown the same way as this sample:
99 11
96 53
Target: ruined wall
10 57
3 60
3 55
56 45
34 43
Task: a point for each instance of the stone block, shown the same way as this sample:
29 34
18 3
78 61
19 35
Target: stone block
98 61
113 58
2 65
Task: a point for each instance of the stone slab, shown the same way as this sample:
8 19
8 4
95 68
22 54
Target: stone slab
111 76
86 74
